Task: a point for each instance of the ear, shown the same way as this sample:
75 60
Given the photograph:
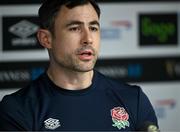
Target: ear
45 38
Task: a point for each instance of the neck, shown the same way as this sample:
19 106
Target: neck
71 80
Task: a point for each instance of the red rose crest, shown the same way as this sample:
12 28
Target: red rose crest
120 117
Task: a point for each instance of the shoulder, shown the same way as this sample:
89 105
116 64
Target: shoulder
18 109
128 94
132 97
115 84
19 99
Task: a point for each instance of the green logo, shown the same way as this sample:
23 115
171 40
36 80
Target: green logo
161 30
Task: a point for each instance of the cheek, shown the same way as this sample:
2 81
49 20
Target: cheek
97 43
64 46
70 39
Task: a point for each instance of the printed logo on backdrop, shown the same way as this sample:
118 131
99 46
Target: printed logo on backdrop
121 69
172 68
19 74
165 107
158 29
19 33
115 29
141 69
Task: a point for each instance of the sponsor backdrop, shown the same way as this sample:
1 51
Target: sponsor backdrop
140 45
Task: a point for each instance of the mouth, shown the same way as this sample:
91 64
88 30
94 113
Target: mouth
86 52
86 55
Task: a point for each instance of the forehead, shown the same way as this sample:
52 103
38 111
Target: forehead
83 12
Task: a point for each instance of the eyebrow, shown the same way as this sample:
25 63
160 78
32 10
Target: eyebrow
81 23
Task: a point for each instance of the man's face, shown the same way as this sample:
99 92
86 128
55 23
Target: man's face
76 40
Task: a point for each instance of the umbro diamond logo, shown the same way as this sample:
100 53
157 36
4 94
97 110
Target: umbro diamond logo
23 29
52 123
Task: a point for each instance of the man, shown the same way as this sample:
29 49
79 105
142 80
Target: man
70 95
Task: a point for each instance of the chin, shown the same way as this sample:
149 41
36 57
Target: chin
85 69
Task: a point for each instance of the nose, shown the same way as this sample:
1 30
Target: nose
86 37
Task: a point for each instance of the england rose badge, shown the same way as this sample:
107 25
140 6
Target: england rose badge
119 117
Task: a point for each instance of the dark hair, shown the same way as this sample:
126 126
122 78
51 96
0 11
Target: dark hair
49 9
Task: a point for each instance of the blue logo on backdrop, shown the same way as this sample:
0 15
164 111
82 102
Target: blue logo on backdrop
135 70
35 72
109 33
116 29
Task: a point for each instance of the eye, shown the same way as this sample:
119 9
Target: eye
74 29
94 28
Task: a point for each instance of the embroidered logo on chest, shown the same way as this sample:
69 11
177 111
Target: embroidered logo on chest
120 117
51 123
